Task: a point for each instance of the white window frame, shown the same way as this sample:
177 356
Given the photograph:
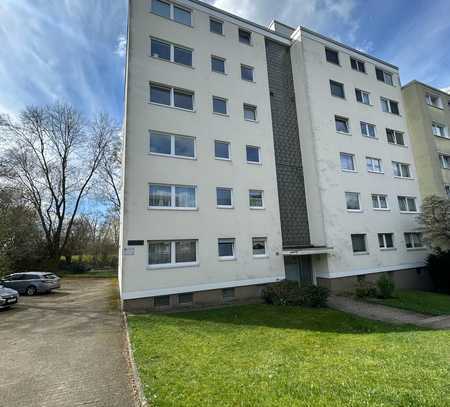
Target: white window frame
429 100
442 129
385 247
367 126
253 73
379 202
250 43
172 145
445 160
359 201
353 160
172 47
231 198
363 93
262 199
217 21
259 155
332 81
226 105
173 197
400 166
227 240
386 74
358 61
347 120
173 263
372 159
408 209
396 132
172 90
414 247
389 101
266 253
229 150
252 107
366 251
224 65
172 13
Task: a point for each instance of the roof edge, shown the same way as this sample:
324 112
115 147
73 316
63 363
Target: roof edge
415 81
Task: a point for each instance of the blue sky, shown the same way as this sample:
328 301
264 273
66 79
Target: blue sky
73 50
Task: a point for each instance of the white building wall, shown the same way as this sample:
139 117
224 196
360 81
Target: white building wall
331 224
207 223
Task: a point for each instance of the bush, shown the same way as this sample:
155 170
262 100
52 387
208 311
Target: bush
76 268
438 265
386 287
365 289
290 293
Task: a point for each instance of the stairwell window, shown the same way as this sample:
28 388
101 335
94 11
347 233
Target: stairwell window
259 246
445 161
389 106
395 137
379 202
374 165
414 240
342 124
407 204
357 65
332 56
401 170
386 240
384 76
362 96
337 89
368 130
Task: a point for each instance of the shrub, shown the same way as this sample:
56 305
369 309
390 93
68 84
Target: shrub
386 287
290 293
365 289
75 268
438 265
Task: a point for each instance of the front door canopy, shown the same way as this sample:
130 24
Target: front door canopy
306 251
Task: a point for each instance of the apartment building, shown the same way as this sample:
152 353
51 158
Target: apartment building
254 154
428 116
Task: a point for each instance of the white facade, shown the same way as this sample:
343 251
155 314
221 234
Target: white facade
331 223
206 223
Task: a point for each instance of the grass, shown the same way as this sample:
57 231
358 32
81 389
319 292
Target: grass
261 355
419 301
90 274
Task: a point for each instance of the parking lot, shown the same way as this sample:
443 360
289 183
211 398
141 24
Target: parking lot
66 348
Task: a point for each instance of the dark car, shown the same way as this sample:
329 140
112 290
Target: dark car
8 297
31 283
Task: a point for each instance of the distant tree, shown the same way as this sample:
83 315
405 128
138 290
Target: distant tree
435 219
52 155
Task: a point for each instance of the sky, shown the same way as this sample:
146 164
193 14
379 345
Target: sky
74 50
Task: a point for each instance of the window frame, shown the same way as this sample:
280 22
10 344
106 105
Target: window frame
429 100
367 127
259 162
260 239
252 69
358 195
250 36
173 196
262 199
248 106
224 64
172 145
443 130
400 166
389 104
379 208
407 203
366 248
231 240
172 91
172 7
363 93
347 122
357 62
372 171
219 98
327 50
412 242
229 150
395 134
173 263
172 47
219 206
340 85
215 20
385 74
385 246
353 157
444 158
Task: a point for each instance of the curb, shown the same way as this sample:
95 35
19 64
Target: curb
140 400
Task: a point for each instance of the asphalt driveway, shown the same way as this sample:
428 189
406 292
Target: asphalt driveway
65 349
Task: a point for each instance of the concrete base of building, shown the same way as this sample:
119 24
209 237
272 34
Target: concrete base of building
197 300
408 279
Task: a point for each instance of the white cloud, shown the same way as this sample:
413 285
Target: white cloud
121 48
446 90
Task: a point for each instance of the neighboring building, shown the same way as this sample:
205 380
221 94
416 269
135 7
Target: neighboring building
428 116
252 154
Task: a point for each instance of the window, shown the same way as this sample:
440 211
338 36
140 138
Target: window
357 65
439 130
219 105
389 106
168 10
172 196
245 36
374 165
395 137
216 26
182 55
337 89
228 294
249 112
413 240
407 204
401 169
445 161
224 197
217 64
253 154
332 56
172 252
359 243
256 199
161 8
362 96
379 202
259 246
386 240
170 52
352 201
185 298
247 73
447 190
384 76
162 301
226 248
160 49
222 150
342 124
164 95
368 130
434 100
172 145
347 162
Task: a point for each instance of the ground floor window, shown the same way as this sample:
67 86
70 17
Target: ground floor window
386 240
172 252
413 240
359 243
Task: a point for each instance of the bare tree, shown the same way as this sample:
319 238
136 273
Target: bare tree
435 218
52 155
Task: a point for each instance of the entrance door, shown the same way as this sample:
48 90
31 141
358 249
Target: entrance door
299 268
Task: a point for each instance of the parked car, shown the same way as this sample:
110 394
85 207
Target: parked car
32 283
8 297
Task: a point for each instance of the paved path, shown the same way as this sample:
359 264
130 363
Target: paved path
387 314
65 349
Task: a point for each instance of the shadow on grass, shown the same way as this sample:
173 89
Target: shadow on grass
280 317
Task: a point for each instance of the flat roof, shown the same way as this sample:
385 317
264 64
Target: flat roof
416 82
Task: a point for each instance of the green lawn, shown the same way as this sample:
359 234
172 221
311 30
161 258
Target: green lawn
419 301
262 355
